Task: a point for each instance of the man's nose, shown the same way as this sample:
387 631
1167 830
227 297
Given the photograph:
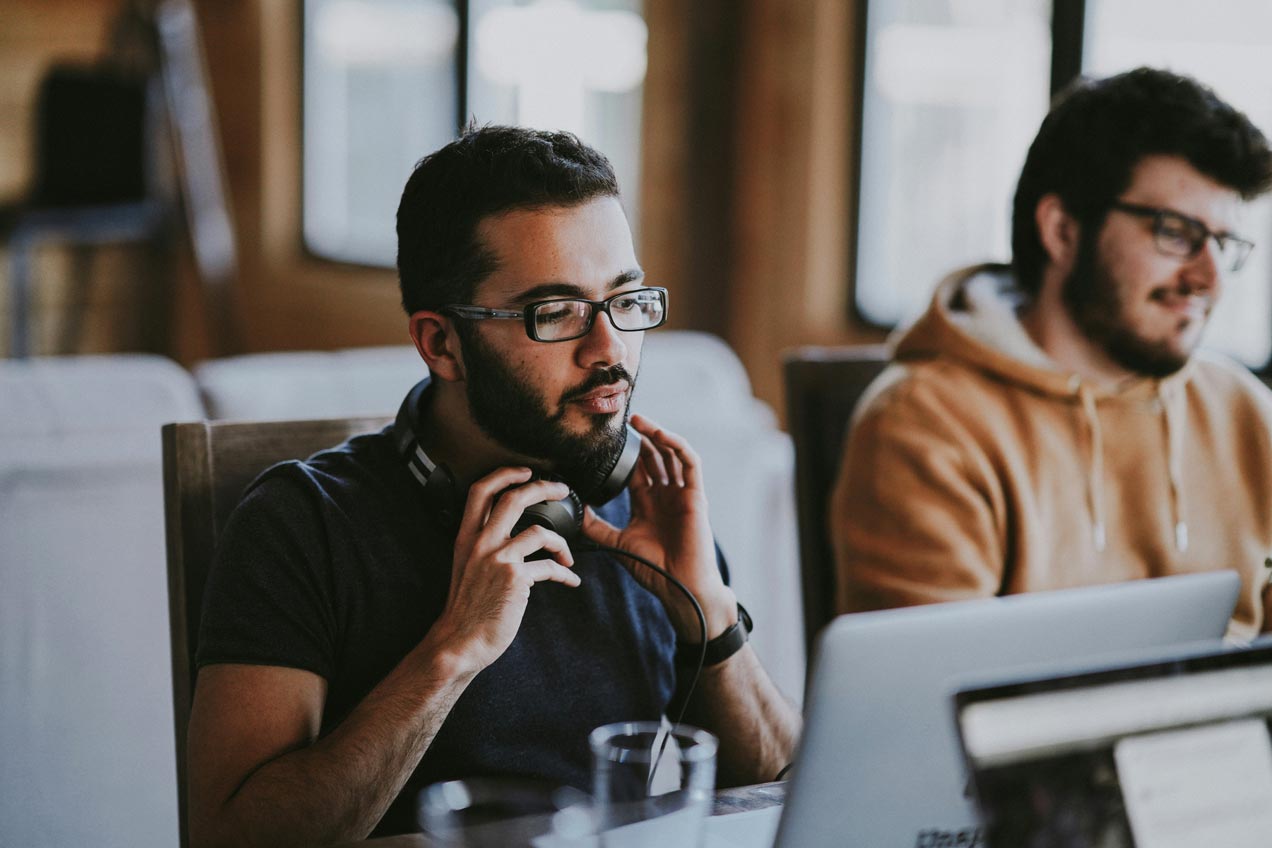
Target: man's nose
603 345
1205 270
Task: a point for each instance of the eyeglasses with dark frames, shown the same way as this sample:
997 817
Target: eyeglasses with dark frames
1176 234
564 318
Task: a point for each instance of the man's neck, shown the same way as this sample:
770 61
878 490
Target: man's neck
1052 328
450 436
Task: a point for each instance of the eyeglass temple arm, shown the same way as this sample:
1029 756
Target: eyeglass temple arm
481 312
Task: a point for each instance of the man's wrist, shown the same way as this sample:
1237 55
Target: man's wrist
720 648
721 611
444 660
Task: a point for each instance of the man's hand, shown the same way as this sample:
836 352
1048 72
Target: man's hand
669 527
490 577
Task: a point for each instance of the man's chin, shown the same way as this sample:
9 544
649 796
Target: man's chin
1150 359
584 425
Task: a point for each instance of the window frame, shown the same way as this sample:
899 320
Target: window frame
1068 23
307 251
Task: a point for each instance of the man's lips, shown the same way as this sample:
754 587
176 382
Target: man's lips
602 400
1184 304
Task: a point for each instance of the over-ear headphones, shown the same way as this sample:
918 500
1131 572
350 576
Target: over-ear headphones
442 492
564 516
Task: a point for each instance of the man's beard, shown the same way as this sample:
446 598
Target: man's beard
507 408
1096 304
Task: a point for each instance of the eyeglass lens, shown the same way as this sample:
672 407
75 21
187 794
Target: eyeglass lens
1181 237
565 319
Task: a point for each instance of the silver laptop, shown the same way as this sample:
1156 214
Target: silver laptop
1172 752
879 764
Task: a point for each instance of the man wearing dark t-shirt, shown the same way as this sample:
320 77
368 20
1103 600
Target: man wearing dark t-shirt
377 617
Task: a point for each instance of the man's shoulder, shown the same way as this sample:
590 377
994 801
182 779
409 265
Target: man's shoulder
927 385
1214 367
1223 380
348 471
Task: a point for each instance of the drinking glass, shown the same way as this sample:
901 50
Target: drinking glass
652 784
504 813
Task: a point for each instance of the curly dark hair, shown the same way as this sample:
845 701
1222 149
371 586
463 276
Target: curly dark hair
1099 130
487 170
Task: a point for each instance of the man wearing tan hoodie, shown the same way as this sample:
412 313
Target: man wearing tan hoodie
1050 423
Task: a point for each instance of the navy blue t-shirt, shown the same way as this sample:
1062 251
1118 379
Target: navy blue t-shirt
337 565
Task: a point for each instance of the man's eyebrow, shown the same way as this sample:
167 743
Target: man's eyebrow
1223 233
633 275
544 291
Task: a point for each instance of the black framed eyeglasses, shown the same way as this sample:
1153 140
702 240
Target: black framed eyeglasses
1176 234
564 318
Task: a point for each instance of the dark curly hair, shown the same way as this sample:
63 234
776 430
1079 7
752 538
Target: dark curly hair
487 170
1099 130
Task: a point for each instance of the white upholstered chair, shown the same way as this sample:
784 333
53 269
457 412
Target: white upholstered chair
86 743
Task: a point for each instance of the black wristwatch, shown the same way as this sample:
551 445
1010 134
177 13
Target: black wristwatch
721 647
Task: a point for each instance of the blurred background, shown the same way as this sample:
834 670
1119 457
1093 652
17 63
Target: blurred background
796 171
215 181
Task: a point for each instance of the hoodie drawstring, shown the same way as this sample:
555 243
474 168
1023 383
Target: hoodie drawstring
1095 472
1173 432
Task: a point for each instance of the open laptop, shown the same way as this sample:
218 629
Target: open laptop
1170 753
879 763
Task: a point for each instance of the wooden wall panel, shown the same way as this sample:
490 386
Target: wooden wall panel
768 251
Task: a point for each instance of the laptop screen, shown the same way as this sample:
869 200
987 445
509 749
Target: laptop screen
1166 754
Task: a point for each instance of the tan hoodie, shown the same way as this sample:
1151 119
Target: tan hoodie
976 467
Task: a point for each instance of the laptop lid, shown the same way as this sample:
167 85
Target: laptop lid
879 762
1165 753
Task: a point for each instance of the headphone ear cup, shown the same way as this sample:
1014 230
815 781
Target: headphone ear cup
618 477
564 517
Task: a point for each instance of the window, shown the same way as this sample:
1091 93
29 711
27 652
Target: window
388 81
953 93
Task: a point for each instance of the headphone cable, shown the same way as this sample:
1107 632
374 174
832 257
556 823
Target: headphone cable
702 648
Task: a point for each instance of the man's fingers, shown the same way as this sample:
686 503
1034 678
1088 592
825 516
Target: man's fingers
598 529
651 462
482 494
545 569
511 503
536 538
673 463
557 569
687 463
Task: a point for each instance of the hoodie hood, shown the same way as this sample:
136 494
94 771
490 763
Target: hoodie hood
974 317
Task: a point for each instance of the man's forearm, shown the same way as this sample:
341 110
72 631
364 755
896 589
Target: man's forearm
339 787
757 725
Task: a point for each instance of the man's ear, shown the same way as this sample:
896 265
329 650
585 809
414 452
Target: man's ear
1058 231
438 344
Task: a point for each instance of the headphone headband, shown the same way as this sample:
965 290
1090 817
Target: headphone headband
437 481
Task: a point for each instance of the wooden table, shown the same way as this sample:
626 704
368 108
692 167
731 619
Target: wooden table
727 801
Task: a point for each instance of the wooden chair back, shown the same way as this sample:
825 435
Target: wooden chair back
823 385
206 467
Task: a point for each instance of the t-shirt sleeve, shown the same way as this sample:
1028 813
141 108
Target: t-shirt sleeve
268 599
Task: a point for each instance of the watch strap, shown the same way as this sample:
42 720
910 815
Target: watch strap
721 647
